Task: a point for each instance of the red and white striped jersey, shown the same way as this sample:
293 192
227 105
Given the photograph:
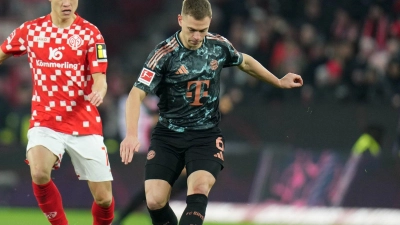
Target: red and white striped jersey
62 61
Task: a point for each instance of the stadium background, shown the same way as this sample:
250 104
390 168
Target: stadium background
286 149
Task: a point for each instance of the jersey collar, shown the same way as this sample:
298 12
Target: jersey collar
77 19
181 44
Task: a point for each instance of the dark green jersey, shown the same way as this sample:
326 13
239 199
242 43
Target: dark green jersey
188 81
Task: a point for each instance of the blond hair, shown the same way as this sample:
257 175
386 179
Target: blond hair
198 9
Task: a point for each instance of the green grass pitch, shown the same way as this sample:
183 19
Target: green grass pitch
33 216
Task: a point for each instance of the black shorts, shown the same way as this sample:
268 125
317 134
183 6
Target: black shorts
171 151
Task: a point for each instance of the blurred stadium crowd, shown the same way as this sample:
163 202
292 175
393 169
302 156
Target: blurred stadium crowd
346 51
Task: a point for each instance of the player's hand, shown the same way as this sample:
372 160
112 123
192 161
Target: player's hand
128 147
95 98
291 80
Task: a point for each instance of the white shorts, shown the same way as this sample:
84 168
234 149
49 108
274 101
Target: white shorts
88 153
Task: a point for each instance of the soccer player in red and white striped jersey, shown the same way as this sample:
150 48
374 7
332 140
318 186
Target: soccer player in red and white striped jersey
68 61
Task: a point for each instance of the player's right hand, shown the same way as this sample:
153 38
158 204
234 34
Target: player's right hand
128 147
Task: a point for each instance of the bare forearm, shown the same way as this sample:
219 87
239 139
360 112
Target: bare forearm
255 69
132 111
99 84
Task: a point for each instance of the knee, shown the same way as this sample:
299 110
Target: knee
200 182
155 202
200 186
103 200
40 175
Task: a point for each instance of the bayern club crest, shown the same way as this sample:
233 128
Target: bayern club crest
75 41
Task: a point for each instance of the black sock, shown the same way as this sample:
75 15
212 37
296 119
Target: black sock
163 216
195 210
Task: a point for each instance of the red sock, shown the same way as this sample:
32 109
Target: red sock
103 216
50 202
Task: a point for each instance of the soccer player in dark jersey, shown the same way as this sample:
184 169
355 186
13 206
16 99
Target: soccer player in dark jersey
68 60
184 72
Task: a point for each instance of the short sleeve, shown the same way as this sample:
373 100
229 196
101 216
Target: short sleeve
97 53
234 58
151 74
16 42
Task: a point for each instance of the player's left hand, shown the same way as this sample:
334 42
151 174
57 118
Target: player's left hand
291 80
95 98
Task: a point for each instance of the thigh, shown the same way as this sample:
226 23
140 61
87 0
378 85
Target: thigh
202 175
159 172
89 157
164 161
45 145
212 167
206 153
40 159
200 182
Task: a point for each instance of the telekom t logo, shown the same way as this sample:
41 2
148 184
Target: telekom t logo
194 91
55 53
